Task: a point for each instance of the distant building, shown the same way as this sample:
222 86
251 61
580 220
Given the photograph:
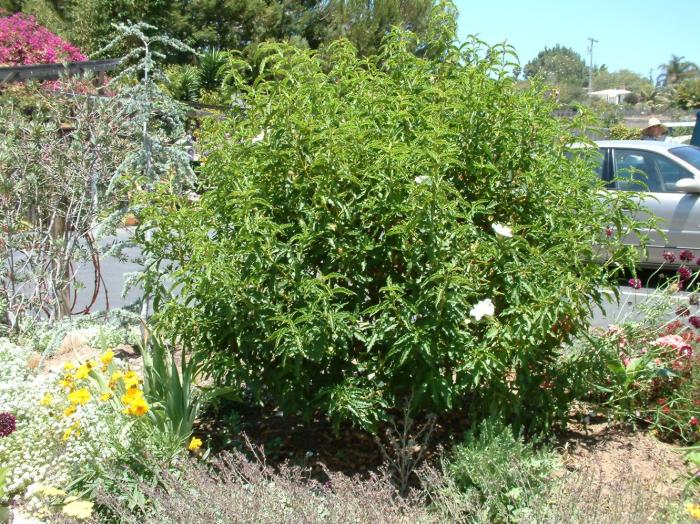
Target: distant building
612 96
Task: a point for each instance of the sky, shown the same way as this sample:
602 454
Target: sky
632 34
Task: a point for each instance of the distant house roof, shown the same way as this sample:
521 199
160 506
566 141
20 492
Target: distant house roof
611 92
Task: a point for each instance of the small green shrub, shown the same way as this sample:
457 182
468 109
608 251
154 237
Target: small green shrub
622 132
376 228
494 476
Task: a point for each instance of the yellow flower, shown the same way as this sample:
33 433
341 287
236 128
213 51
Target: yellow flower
138 408
47 399
131 382
106 396
130 374
81 396
115 378
67 383
73 428
195 444
68 366
79 509
132 395
69 410
107 357
693 510
50 491
82 372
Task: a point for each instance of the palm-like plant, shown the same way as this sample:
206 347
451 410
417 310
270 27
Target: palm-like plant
676 70
183 83
211 68
656 99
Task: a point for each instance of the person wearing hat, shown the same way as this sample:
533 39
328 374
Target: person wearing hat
655 130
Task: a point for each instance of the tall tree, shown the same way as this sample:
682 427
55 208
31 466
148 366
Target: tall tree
624 78
235 24
558 65
561 67
676 70
366 22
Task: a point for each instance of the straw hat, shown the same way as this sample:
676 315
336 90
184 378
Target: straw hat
653 122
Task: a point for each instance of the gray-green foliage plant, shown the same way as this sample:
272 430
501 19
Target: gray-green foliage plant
356 210
155 117
58 151
493 476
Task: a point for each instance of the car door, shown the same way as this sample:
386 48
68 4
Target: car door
679 212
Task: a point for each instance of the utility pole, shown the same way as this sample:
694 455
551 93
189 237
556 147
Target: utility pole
591 41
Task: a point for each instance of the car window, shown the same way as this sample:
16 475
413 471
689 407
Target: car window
670 172
638 170
690 154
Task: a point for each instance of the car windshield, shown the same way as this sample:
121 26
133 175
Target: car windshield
690 154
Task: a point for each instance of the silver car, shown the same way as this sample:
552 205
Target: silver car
668 174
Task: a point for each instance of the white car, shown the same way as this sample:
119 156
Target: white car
668 174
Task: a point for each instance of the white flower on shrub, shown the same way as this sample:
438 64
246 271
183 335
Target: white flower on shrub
483 308
502 230
420 179
258 138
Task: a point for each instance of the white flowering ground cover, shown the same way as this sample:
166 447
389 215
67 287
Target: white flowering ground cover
48 446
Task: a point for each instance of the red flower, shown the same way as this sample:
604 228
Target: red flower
666 410
694 421
8 424
661 401
669 257
684 273
694 321
686 255
635 283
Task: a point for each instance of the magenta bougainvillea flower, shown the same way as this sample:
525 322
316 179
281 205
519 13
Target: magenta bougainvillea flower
24 42
8 424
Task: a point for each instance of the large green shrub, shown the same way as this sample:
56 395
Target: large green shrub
348 227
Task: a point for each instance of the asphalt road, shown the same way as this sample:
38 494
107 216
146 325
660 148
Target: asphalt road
115 272
615 313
